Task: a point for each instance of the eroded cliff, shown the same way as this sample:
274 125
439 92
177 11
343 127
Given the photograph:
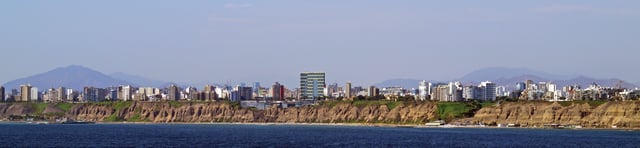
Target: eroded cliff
620 114
343 112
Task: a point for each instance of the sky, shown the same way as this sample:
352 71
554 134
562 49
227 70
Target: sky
362 41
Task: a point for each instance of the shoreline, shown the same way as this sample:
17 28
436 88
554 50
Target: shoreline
267 124
326 124
336 124
366 125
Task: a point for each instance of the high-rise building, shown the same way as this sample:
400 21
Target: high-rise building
552 87
127 93
431 88
521 86
356 91
373 91
347 90
2 96
35 95
225 92
241 93
113 94
13 96
209 93
233 96
246 93
312 84
51 95
208 88
440 93
72 95
489 93
470 92
25 93
423 90
501 91
455 92
277 92
92 94
192 94
173 93
451 92
62 94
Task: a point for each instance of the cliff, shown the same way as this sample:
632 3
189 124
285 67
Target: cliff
621 114
342 112
586 114
14 109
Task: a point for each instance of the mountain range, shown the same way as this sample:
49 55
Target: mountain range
74 76
77 77
510 76
495 73
580 80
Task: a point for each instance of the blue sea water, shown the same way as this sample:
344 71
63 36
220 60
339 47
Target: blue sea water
217 135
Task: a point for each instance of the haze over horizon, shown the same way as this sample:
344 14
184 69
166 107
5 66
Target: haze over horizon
360 41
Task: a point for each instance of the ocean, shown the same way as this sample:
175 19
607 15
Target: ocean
232 135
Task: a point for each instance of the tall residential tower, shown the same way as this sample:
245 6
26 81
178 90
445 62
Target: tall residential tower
173 94
423 90
2 96
347 90
277 92
312 84
25 93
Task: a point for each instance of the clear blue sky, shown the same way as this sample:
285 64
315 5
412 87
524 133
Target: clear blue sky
364 41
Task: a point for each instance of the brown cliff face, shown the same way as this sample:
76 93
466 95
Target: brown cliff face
91 112
222 112
14 109
621 114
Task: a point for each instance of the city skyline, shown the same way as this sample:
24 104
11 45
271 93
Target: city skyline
499 74
312 87
233 40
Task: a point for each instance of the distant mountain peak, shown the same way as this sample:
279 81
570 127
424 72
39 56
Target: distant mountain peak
580 80
73 67
77 66
495 73
72 76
